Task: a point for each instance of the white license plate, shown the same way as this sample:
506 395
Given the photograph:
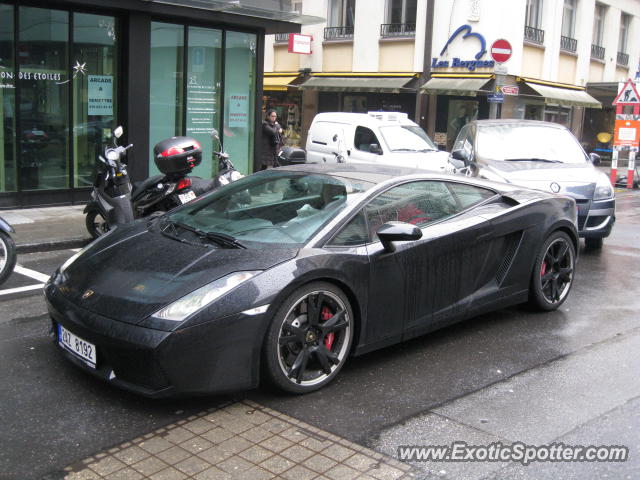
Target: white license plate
78 346
187 197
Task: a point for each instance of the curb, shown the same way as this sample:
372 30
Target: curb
53 245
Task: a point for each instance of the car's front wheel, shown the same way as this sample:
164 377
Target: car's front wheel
553 272
309 338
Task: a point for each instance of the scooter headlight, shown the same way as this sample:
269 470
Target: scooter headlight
235 175
112 155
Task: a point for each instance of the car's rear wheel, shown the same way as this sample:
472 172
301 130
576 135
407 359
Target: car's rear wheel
309 338
593 243
553 272
7 256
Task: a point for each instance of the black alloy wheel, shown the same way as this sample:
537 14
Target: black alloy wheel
96 224
7 255
553 272
309 338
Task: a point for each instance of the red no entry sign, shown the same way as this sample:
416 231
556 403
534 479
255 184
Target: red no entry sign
501 51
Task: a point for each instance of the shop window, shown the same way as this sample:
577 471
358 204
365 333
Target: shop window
43 128
166 85
204 73
8 171
558 114
461 112
95 86
239 93
194 106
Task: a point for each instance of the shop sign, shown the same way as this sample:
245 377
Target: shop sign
471 65
510 89
100 95
299 43
238 110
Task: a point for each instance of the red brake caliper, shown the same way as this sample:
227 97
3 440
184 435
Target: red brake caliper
543 269
326 314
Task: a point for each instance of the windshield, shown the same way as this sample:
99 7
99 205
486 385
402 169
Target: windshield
407 138
521 142
271 207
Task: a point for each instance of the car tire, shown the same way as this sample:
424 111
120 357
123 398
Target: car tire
553 272
7 255
303 352
594 243
96 224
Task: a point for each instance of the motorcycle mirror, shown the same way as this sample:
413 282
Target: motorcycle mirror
214 133
118 131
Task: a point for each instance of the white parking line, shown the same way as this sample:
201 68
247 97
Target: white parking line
27 272
21 289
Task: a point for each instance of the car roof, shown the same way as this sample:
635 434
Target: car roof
520 122
382 173
361 118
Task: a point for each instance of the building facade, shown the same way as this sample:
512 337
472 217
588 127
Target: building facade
446 62
70 71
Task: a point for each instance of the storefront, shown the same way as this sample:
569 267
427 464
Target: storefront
71 71
282 93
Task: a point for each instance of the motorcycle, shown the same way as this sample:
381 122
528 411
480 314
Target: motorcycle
7 250
115 200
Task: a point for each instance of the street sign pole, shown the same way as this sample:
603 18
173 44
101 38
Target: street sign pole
631 169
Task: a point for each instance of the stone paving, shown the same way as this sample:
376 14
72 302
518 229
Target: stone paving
241 440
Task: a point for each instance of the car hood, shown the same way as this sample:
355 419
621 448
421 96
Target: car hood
577 180
134 272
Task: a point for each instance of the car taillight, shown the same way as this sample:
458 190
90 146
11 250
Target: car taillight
184 183
172 151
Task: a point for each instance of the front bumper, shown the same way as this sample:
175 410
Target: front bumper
213 357
596 218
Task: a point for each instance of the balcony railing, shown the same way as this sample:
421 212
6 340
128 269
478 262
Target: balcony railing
398 30
623 58
568 44
534 35
338 33
282 38
597 52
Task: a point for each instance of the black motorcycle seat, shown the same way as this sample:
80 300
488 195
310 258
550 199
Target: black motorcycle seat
201 185
142 185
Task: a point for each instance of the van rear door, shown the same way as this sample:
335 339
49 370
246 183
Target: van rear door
324 139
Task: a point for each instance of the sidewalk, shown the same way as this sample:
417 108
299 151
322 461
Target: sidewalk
47 228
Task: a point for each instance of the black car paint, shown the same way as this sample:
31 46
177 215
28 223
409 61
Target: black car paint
218 349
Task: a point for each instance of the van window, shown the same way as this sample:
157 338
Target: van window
364 138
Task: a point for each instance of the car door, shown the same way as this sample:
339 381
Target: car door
431 280
366 146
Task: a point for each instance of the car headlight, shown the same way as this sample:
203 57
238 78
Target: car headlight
203 296
603 190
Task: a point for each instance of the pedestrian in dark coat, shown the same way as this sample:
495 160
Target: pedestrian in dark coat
271 140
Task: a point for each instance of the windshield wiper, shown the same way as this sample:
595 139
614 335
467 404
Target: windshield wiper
174 234
221 239
545 160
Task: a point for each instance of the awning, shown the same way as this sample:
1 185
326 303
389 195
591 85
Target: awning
359 84
455 85
565 96
277 82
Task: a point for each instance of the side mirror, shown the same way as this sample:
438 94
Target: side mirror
118 131
462 155
214 133
375 148
595 158
395 232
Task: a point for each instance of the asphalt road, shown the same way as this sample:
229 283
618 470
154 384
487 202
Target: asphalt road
569 375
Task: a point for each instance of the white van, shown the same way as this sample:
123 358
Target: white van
387 138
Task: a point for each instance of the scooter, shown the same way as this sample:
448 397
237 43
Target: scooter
7 250
227 172
115 200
